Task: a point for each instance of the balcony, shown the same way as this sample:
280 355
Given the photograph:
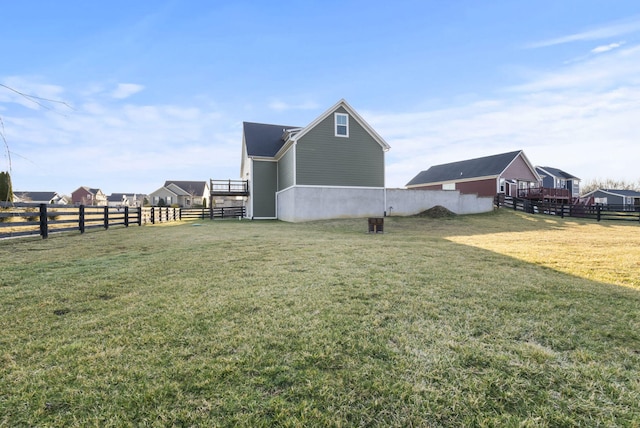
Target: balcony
229 187
544 193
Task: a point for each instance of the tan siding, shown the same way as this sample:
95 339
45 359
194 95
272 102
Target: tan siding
519 170
432 187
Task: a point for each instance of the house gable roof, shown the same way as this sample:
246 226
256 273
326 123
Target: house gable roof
36 196
616 192
555 172
189 187
354 114
264 140
177 190
488 166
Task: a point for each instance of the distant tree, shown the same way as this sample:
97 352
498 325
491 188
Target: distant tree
6 192
161 202
608 183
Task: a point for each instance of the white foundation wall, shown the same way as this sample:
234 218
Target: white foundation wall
298 204
405 202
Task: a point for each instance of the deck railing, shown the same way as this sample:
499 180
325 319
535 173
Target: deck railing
544 193
230 187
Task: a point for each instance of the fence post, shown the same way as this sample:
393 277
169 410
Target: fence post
562 212
44 227
81 218
599 210
126 216
106 217
153 215
139 216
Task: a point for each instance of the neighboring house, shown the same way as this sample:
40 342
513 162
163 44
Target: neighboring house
333 167
125 200
88 196
185 194
554 178
504 173
628 199
40 198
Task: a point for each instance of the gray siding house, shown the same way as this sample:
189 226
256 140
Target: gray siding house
626 199
333 167
554 178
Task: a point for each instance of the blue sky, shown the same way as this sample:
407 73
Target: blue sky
158 90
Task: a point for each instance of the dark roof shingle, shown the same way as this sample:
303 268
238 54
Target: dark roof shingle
479 167
555 172
263 139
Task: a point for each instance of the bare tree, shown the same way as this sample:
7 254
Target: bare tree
608 183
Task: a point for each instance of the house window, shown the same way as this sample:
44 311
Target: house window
448 186
342 125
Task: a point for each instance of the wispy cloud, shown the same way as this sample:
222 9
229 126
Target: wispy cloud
125 90
580 118
606 48
121 148
621 67
279 105
614 29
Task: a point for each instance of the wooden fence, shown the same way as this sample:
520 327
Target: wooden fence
597 212
212 213
24 219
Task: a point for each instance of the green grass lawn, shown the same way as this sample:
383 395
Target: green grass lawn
501 319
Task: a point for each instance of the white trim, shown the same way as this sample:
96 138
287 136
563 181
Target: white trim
336 115
610 192
250 214
529 164
325 187
295 162
351 113
332 187
354 114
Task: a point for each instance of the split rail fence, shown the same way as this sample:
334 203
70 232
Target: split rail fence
25 219
212 213
598 212
29 219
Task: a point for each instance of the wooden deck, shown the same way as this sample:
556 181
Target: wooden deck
229 188
545 194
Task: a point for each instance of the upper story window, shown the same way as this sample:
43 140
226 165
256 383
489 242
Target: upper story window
342 124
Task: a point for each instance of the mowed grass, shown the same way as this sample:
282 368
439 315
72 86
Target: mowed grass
501 319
